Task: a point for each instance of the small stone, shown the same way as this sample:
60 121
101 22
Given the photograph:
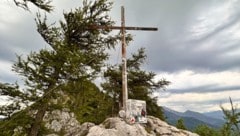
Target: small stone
56 126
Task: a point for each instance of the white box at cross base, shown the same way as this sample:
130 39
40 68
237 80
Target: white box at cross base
136 111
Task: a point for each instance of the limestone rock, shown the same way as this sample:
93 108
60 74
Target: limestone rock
158 127
64 122
117 127
154 127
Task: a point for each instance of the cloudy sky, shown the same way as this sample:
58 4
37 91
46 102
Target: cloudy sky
197 46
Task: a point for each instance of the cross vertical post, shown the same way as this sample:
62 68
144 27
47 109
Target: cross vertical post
123 29
124 62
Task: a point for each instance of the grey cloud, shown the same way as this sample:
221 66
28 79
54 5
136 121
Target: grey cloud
209 102
9 78
232 21
20 38
205 89
6 53
168 49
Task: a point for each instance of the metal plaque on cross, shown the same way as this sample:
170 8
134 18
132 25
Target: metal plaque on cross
136 111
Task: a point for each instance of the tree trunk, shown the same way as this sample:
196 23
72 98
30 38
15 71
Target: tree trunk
38 119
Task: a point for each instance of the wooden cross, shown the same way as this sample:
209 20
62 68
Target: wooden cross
124 60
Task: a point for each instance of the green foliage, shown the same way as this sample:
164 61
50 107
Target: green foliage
87 102
180 124
141 84
42 4
230 128
77 54
226 130
154 109
16 99
232 117
12 90
20 120
204 130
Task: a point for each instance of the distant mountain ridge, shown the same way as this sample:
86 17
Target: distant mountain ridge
217 114
191 119
213 121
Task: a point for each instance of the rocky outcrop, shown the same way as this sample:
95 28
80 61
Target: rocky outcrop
154 127
64 122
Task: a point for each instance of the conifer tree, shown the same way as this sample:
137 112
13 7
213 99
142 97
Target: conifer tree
232 117
42 4
204 130
180 124
141 84
16 96
77 54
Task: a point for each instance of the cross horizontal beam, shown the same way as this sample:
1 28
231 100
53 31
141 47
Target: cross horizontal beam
125 28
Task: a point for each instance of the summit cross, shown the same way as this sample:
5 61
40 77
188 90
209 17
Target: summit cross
123 28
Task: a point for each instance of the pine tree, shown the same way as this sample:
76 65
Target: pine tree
232 117
42 4
87 102
16 97
204 130
180 124
77 54
141 84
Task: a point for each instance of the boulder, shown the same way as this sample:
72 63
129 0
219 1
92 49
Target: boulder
64 122
154 127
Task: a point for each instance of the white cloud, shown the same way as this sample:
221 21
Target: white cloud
200 98
234 32
198 101
7 75
6 67
7 15
189 78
